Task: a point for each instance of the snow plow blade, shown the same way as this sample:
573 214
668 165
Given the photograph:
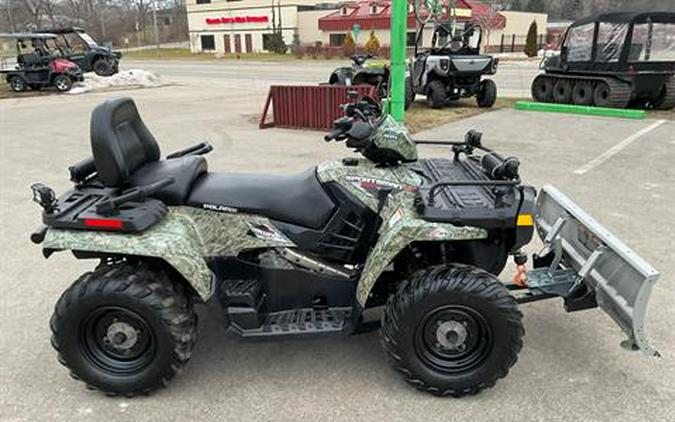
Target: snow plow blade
587 265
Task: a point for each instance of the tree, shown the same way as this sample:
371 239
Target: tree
572 9
536 6
373 44
516 5
490 20
531 44
276 44
348 45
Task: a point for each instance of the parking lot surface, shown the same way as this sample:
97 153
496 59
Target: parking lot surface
571 367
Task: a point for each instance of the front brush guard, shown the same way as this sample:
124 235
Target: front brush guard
586 265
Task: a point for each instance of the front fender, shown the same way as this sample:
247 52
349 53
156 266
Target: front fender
341 76
184 239
403 228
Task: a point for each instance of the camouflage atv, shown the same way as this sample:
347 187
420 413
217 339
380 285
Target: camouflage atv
320 253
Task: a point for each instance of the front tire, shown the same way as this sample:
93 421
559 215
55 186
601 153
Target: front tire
103 67
452 330
436 94
409 93
125 328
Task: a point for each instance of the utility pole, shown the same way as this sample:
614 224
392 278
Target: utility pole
154 22
399 19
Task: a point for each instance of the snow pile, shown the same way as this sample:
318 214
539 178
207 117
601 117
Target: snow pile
133 78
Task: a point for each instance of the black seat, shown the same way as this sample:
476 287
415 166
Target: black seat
297 199
126 154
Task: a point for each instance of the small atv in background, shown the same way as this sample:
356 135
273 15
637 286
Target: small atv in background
81 48
319 253
39 65
362 72
613 60
452 68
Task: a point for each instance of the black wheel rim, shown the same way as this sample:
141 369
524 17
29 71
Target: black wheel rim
117 340
453 339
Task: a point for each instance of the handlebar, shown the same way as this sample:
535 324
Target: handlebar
333 135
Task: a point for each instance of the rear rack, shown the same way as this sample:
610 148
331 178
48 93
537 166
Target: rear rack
95 207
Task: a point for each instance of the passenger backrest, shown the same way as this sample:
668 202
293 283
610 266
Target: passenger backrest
120 141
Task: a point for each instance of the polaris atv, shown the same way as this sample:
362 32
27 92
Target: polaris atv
319 253
362 73
452 69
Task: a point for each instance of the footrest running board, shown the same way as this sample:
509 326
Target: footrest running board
299 323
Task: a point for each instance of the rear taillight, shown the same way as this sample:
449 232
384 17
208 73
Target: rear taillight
104 223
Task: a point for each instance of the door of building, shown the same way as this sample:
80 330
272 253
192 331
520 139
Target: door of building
237 43
249 42
226 42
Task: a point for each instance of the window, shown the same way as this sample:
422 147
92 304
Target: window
373 9
579 43
336 39
611 37
203 1
344 11
208 42
410 39
659 47
663 42
266 41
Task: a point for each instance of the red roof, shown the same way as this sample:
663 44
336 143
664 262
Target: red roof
359 12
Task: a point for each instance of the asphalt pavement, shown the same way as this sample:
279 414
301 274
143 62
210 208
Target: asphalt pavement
571 367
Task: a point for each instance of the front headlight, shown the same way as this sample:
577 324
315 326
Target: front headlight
456 45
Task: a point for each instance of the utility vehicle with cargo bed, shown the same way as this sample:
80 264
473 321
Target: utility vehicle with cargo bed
613 60
452 68
81 48
319 253
38 64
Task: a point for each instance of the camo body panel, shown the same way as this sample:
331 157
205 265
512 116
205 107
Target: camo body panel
403 227
402 224
184 238
392 135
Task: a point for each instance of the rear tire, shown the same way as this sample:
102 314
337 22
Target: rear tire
562 91
582 94
452 330
125 328
17 84
436 95
542 89
487 95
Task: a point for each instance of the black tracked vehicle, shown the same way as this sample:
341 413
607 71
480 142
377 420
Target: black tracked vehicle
613 60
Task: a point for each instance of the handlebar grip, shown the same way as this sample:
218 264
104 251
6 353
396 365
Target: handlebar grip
332 135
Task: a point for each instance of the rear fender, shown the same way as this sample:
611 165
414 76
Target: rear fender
185 238
401 229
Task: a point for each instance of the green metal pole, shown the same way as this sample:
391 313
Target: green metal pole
399 19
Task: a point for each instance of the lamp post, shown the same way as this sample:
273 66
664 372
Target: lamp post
399 17
154 23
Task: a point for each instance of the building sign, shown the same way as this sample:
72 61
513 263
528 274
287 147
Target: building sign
460 13
237 19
